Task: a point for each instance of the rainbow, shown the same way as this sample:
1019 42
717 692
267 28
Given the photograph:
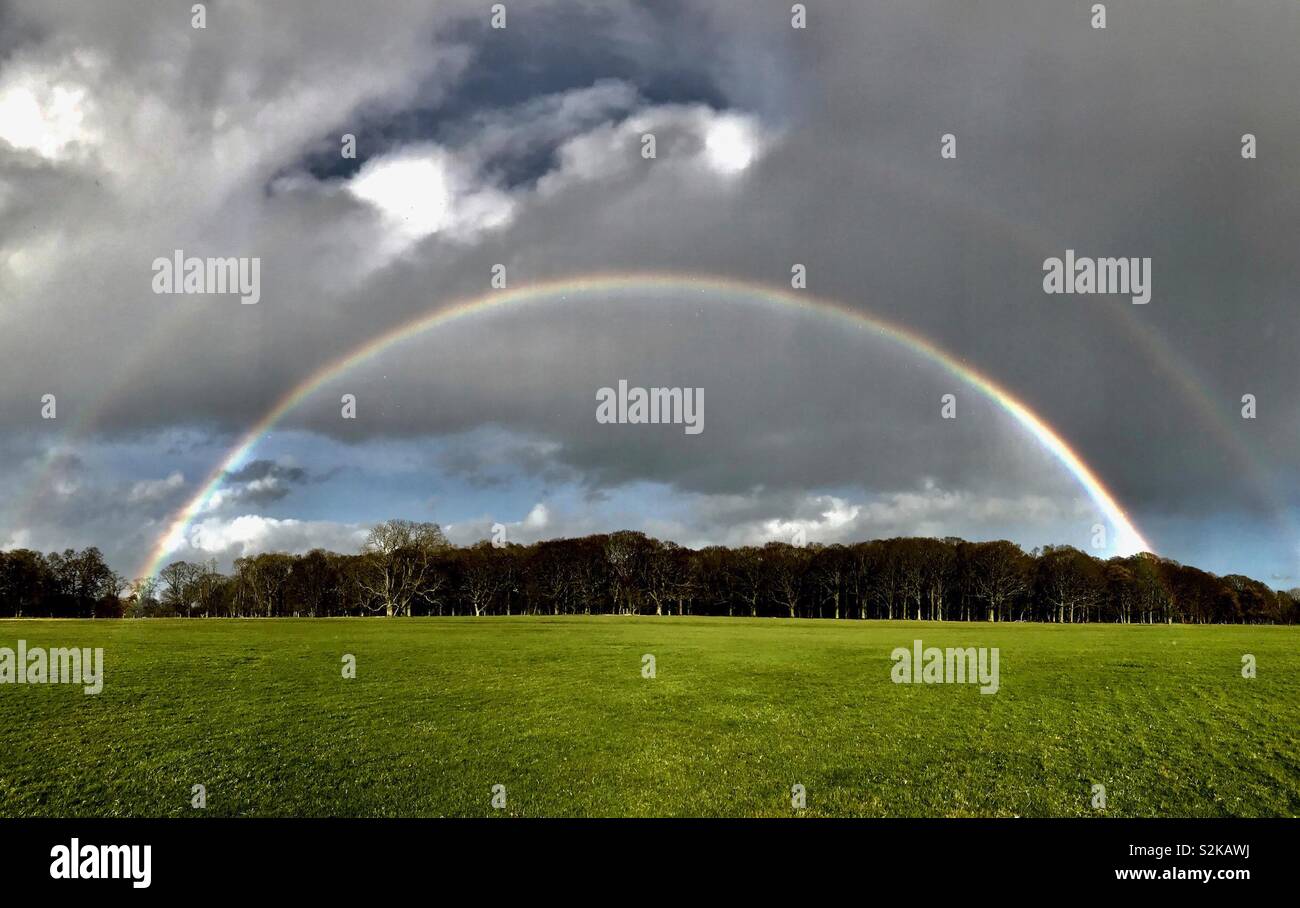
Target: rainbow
1127 537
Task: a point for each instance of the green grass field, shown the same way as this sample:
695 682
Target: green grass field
557 710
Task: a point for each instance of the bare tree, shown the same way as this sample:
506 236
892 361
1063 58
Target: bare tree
181 579
664 574
911 573
397 566
1068 580
261 581
787 567
881 566
626 552
208 586
940 559
830 575
999 574
481 577
745 576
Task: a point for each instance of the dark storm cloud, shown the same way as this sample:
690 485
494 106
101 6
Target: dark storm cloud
1116 142
1111 143
16 29
659 48
266 469
260 482
489 460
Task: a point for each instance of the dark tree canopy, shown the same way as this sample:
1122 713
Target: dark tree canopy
410 569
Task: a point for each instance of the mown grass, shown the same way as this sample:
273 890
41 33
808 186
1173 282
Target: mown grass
557 710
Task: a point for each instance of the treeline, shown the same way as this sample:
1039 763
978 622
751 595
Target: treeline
59 585
410 569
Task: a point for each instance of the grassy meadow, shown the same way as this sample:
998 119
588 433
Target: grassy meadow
557 710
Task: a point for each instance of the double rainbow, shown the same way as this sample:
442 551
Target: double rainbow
1126 539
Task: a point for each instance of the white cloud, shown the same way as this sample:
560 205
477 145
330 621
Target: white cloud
46 109
689 139
928 511
537 524
731 143
20 538
834 517
422 190
264 488
250 534
538 518
426 189
155 489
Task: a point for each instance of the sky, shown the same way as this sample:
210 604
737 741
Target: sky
127 133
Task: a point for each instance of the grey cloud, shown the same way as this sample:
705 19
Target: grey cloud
1122 142
267 469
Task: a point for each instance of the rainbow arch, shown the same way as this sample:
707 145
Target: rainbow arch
1127 539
